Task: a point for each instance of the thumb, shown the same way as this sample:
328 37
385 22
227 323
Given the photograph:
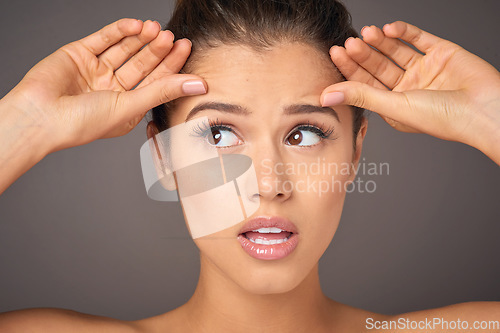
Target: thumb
159 91
387 103
438 113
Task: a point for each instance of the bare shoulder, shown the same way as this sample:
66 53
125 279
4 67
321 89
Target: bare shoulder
61 320
173 321
346 318
474 316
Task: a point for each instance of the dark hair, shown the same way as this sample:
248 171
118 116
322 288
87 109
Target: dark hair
259 24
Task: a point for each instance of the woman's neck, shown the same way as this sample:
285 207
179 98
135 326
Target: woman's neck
220 305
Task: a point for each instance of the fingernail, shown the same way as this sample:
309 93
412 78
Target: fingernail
362 29
194 87
158 24
171 36
347 40
333 98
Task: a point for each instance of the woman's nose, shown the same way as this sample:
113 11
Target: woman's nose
273 184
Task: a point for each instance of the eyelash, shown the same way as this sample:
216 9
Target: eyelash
204 129
316 129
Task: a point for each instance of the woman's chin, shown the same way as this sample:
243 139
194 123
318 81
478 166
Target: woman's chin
266 281
269 287
224 257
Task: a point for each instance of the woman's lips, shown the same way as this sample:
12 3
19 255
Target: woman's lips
268 237
269 222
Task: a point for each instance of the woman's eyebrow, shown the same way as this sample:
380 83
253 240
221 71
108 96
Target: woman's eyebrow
238 109
223 107
308 108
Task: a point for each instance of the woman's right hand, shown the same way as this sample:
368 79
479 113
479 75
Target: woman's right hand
84 90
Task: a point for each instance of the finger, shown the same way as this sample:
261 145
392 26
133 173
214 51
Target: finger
399 52
172 63
143 63
382 101
139 101
351 70
437 113
422 40
374 62
117 54
399 126
111 34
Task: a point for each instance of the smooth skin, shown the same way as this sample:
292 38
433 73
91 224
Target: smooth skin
74 96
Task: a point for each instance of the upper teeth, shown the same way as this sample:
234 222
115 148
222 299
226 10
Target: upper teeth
268 230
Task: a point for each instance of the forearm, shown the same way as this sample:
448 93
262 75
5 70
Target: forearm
23 143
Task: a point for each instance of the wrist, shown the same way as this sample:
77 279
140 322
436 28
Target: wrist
22 131
485 132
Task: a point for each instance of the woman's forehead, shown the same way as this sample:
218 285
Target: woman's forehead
295 67
260 81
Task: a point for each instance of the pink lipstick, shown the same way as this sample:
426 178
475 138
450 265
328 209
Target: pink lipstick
268 237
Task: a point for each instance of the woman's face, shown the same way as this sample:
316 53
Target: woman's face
301 154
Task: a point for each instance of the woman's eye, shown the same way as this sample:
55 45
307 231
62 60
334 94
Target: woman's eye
303 137
223 138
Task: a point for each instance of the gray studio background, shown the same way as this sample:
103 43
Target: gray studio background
78 231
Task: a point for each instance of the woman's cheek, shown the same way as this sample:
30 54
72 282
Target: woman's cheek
324 175
321 193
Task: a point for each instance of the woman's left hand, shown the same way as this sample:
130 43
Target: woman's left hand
447 92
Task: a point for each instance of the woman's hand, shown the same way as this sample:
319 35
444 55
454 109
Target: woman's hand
84 90
447 92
